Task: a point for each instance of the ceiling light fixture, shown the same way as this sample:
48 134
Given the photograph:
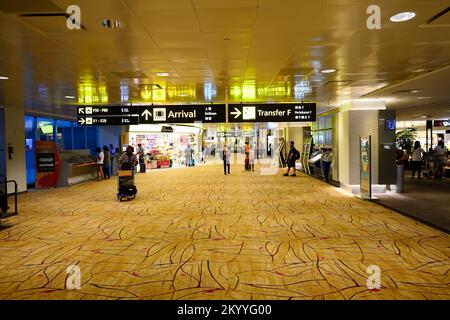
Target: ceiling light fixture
415 91
162 74
423 98
69 97
327 71
4 78
403 16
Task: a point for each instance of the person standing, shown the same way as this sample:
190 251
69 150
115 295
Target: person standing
100 159
188 155
416 159
440 159
251 158
226 160
113 159
327 159
293 156
141 155
106 163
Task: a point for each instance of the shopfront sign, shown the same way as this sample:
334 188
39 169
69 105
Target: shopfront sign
47 164
182 114
365 167
441 123
274 112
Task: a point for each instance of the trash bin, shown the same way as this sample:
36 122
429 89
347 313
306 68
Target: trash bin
400 178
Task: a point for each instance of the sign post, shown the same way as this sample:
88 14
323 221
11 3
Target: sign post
47 164
365 167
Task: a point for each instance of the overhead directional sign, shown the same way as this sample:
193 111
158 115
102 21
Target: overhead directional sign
274 112
107 110
108 121
182 114
107 115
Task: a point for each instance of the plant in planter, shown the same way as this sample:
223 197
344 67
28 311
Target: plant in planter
405 139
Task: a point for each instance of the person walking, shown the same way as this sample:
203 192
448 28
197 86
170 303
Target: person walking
226 160
100 159
128 160
106 163
293 156
416 159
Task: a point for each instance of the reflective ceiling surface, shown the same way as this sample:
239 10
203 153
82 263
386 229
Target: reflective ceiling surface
217 50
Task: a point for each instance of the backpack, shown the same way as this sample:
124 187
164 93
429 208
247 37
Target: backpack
296 154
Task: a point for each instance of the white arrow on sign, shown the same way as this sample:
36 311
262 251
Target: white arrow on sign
237 113
81 110
146 114
81 121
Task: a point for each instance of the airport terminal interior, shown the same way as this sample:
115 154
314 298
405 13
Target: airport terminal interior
224 150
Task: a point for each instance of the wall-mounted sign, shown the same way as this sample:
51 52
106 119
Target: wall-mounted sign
47 164
441 123
229 134
182 114
365 167
276 112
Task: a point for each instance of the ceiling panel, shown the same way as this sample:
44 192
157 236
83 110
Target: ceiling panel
219 20
169 20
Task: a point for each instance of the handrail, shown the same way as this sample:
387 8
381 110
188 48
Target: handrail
16 191
16 188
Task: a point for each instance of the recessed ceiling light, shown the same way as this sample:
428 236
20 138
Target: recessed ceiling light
415 91
403 16
162 74
326 71
419 70
69 97
4 78
111 24
423 98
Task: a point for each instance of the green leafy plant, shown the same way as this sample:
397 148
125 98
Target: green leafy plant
405 139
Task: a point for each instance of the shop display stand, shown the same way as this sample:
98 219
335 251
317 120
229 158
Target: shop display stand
307 154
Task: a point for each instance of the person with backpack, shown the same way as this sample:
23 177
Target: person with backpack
293 156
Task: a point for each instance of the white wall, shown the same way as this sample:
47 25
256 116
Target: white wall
15 135
352 125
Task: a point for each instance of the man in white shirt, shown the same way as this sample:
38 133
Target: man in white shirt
416 159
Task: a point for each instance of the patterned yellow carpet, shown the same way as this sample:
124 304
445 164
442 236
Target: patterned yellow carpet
195 234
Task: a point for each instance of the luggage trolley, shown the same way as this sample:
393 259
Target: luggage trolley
126 188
